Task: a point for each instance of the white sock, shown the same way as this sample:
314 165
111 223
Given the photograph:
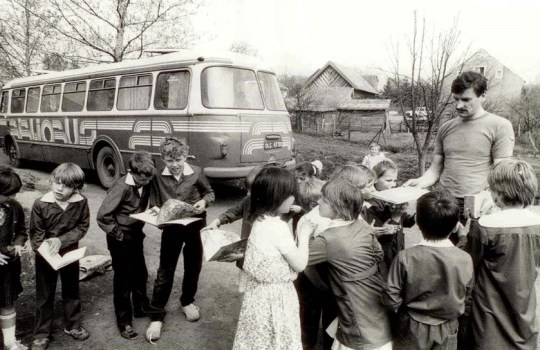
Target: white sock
7 323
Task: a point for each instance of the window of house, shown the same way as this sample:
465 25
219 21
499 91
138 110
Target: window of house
172 90
73 99
134 92
50 98
17 100
101 94
4 103
499 73
32 103
481 70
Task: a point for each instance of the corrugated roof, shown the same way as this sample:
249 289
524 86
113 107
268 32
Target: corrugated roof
353 76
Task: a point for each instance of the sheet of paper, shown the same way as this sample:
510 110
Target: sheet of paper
214 240
57 261
150 216
400 195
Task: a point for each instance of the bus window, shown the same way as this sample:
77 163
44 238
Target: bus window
226 87
101 94
32 104
50 98
134 92
172 90
4 103
17 100
271 92
73 99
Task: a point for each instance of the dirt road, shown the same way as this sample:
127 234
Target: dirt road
218 295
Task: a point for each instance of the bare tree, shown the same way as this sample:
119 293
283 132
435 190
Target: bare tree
112 30
24 37
243 48
433 59
526 113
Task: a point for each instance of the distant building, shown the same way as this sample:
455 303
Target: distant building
336 96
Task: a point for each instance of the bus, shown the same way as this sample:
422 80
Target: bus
229 108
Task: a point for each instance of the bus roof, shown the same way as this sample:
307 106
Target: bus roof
165 61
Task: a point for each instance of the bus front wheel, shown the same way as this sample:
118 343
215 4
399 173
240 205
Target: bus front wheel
107 166
13 154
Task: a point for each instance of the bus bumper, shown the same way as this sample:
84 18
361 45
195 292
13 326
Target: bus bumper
239 172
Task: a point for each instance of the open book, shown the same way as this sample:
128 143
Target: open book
150 216
400 195
58 261
218 244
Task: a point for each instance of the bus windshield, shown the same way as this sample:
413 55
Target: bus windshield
226 87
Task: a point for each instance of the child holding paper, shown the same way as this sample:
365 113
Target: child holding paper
178 180
12 239
125 240
60 219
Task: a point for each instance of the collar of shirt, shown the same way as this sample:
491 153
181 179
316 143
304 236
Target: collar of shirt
339 223
188 170
130 180
49 198
441 243
510 218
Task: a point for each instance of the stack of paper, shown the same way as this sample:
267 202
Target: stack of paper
57 261
400 195
151 217
218 244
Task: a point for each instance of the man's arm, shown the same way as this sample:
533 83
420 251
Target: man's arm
431 176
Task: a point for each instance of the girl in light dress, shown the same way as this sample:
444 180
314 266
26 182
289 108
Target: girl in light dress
269 317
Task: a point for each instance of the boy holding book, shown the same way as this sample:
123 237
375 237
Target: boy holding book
60 219
125 240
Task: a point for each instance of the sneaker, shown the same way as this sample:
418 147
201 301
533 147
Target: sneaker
153 332
40 344
129 333
192 312
78 333
16 346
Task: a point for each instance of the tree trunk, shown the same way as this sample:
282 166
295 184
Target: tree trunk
533 143
421 163
27 49
121 11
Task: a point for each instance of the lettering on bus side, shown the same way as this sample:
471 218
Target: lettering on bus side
65 130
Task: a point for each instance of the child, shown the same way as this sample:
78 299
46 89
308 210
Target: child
178 180
125 240
316 301
505 256
269 314
12 239
353 254
429 284
61 219
388 219
374 157
309 186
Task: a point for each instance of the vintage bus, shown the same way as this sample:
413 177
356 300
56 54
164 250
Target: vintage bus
229 108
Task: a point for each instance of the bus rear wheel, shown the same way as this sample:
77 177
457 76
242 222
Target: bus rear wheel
13 154
107 166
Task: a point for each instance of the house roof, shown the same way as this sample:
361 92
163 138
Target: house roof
354 77
327 99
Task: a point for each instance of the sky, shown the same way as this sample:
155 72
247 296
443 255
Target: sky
300 36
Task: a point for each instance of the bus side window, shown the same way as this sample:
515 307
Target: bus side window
32 104
73 99
50 98
101 94
4 103
17 100
134 92
172 90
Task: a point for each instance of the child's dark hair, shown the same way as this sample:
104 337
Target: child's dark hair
10 181
383 166
345 199
250 177
174 147
307 168
437 214
271 188
70 175
142 163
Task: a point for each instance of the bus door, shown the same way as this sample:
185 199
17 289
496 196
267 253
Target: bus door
25 129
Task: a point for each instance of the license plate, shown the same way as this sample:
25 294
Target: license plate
272 144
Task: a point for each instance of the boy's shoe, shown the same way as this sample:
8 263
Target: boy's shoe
40 344
16 346
78 333
129 333
153 332
192 312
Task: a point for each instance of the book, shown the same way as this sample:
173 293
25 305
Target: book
478 204
400 195
150 216
218 244
58 261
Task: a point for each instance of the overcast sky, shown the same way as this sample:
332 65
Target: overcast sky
299 36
